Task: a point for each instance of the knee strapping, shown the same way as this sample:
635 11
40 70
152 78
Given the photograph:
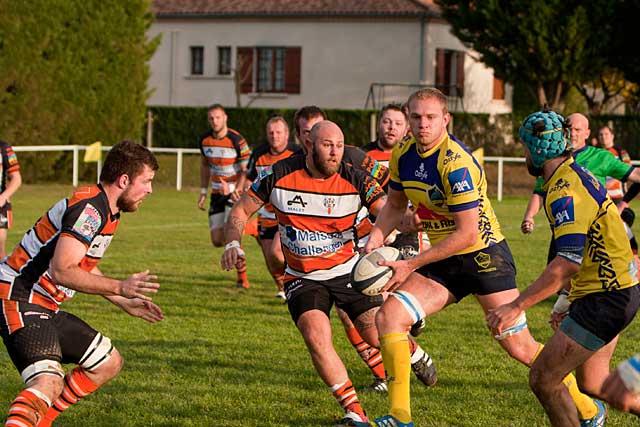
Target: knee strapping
98 352
410 304
42 367
517 327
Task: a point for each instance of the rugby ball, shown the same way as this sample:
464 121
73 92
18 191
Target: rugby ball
367 276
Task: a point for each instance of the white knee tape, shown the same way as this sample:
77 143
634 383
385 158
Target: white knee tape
410 304
42 367
98 352
517 327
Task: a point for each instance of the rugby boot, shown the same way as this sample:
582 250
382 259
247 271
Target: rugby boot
391 421
599 419
379 385
351 419
425 370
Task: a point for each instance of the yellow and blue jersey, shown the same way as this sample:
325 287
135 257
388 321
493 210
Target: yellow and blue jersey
588 231
440 182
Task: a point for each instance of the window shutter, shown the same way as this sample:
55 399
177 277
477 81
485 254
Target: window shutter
498 88
244 66
292 67
441 70
460 73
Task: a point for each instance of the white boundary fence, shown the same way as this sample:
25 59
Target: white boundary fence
179 152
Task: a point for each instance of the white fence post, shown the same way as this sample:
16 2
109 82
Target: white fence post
179 170
500 180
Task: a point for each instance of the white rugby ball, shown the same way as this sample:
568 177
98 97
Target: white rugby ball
367 276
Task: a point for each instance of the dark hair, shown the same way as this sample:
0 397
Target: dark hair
216 107
308 112
126 157
394 107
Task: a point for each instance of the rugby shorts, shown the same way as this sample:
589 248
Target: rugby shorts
6 216
219 209
304 295
32 333
267 228
483 272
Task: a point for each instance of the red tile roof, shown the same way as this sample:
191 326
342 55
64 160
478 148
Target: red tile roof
261 8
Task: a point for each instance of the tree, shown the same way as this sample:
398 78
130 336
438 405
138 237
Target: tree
549 45
73 72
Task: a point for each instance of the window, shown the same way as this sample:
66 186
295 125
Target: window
269 69
450 71
224 60
498 89
197 60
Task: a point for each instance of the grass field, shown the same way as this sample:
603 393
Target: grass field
229 357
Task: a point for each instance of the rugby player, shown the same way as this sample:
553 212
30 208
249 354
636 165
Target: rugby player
421 363
263 157
56 258
316 198
615 187
438 174
10 181
223 172
593 260
622 387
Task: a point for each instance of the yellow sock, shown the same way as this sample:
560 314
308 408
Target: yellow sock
586 406
397 363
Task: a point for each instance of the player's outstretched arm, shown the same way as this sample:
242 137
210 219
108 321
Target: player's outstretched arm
14 182
65 269
205 176
532 209
622 387
246 206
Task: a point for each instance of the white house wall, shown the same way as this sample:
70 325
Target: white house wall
340 59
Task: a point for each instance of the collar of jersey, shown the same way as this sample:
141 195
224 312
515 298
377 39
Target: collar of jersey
432 149
562 165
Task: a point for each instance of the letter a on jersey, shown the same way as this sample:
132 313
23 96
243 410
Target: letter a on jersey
562 211
460 181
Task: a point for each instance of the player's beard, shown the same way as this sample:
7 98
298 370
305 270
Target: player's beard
388 145
126 203
328 169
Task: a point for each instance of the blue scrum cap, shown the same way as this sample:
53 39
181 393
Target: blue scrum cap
546 135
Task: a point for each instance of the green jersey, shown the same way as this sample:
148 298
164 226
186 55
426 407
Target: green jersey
601 164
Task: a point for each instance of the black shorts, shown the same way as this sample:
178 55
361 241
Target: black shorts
482 272
6 216
596 319
45 335
267 233
304 295
218 203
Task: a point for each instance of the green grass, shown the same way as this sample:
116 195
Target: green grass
228 357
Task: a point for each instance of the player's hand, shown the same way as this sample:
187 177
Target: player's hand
233 256
502 318
235 195
617 394
146 310
527 225
560 310
201 200
401 271
139 284
376 239
410 223
225 189
555 319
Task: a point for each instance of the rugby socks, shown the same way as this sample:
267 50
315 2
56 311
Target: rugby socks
76 386
395 353
370 355
346 396
242 280
587 408
27 409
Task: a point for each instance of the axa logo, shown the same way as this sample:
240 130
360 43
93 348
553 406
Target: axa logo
460 181
562 211
421 172
297 200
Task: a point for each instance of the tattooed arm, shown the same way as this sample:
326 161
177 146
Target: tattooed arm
234 228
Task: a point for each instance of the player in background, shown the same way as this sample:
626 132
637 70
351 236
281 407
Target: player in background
56 258
263 157
615 187
593 261
601 163
421 363
223 172
468 256
10 182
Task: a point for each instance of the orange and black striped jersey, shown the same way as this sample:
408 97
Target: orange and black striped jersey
260 163
86 217
316 217
374 150
8 163
359 159
227 157
615 188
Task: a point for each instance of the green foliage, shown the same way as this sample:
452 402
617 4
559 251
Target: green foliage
547 45
233 358
73 72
